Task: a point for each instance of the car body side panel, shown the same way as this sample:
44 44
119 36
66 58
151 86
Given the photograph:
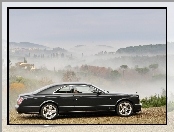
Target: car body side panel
32 103
65 101
88 102
94 101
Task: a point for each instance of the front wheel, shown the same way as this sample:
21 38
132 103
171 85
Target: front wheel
124 108
49 111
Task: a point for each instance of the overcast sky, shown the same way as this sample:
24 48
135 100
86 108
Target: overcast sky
70 27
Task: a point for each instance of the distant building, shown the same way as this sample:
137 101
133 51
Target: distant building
24 65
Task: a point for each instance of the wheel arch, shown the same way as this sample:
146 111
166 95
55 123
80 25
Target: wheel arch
48 101
123 99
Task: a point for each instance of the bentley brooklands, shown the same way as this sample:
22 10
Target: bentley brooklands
54 99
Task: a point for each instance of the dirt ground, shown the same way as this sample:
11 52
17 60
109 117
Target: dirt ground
155 115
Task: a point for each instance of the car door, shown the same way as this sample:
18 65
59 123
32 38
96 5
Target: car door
65 98
106 102
87 99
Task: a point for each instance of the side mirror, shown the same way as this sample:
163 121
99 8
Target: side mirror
98 93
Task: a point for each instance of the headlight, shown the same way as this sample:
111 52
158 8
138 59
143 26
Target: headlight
135 96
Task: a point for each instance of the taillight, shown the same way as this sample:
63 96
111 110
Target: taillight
20 100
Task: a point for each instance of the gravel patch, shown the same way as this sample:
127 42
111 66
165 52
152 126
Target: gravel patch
155 115
92 128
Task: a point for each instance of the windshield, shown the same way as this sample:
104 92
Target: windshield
104 91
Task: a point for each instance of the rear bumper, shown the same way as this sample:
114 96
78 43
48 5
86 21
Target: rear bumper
26 109
137 107
18 109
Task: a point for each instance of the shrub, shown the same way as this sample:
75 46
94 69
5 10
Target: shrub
17 86
153 101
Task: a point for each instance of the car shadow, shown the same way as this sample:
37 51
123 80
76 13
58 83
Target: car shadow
79 115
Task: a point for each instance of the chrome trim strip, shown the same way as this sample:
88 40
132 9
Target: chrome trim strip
66 106
31 106
76 106
139 104
87 106
84 106
105 105
52 97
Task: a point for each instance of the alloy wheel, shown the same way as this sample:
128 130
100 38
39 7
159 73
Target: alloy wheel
124 108
49 111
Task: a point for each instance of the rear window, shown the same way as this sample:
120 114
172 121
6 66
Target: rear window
50 90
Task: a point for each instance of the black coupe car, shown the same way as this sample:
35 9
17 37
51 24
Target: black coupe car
54 99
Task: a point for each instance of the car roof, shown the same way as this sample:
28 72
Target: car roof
72 83
64 83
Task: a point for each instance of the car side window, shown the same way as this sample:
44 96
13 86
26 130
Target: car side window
63 89
84 89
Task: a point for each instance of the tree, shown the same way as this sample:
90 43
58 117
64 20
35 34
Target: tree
62 55
142 71
25 61
124 67
114 74
70 76
53 55
57 55
153 67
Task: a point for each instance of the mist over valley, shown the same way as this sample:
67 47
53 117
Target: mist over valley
100 65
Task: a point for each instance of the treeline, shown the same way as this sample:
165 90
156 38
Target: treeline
149 72
138 60
103 72
52 55
143 50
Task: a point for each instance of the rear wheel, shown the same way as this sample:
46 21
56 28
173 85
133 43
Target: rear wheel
124 108
49 111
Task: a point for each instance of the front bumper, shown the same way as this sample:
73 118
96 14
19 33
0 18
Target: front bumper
137 107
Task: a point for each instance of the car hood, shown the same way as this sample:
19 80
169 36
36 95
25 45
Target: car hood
123 94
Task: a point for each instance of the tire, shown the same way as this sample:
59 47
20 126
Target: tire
49 111
124 108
